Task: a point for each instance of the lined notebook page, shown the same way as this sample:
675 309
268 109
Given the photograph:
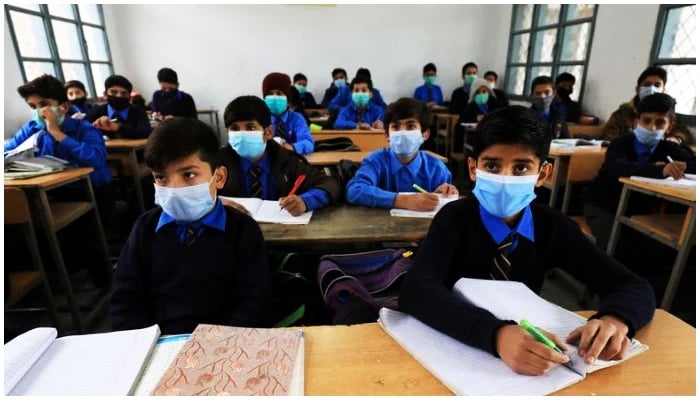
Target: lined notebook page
23 351
687 182
269 211
400 212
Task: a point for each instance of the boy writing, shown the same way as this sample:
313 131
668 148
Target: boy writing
191 260
170 101
307 98
118 118
360 113
288 127
499 234
429 93
385 173
259 167
77 95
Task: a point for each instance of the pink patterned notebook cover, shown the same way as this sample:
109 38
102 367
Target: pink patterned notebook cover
226 360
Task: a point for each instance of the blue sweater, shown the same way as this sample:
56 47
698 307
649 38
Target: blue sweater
298 132
348 116
344 97
421 93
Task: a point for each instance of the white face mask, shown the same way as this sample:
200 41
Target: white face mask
187 203
645 91
491 85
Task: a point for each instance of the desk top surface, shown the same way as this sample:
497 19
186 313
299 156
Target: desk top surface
568 151
56 178
348 132
363 360
344 223
333 157
114 144
687 194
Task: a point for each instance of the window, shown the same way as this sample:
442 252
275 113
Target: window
674 50
68 41
548 40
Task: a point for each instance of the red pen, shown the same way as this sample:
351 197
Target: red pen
296 186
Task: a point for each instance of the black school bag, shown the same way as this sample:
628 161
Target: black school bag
341 143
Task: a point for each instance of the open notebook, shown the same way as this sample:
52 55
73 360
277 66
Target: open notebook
269 211
469 371
686 182
400 212
100 364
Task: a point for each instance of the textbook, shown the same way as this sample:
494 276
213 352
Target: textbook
401 212
16 168
467 370
269 211
686 182
235 361
100 364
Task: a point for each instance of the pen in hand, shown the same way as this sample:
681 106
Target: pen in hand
418 188
542 338
296 186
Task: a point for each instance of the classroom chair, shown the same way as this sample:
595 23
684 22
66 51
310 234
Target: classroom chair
444 131
18 284
583 168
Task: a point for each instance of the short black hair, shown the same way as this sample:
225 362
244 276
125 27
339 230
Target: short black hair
516 125
337 71
495 75
180 137
45 86
361 79
118 80
405 108
541 80
658 103
565 77
652 71
429 67
467 65
363 72
75 84
299 77
247 108
167 75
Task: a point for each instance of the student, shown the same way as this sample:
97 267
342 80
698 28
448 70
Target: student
289 128
622 121
541 96
387 172
360 113
340 80
482 100
258 166
296 105
498 233
118 118
77 95
429 93
190 261
643 153
492 79
344 96
307 98
564 86
170 101
460 96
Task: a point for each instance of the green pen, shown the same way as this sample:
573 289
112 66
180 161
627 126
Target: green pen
418 188
542 338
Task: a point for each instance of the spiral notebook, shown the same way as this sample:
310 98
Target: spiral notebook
269 211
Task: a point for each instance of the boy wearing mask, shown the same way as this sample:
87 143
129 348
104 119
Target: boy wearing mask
340 80
289 127
119 118
387 172
77 95
460 96
482 100
344 96
429 93
307 98
361 113
564 86
170 101
541 96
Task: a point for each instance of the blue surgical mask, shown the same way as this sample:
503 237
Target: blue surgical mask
645 91
430 80
185 204
360 99
541 103
504 195
39 121
301 89
481 98
468 79
648 137
339 83
276 104
405 143
248 144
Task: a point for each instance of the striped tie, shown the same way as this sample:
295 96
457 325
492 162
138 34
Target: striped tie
255 186
281 129
361 115
500 270
190 236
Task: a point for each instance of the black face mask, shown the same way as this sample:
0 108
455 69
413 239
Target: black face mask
564 92
79 102
118 103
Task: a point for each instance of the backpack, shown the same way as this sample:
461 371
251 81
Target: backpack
372 278
340 143
342 172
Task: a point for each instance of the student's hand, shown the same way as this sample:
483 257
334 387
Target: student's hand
604 338
105 124
417 202
293 204
525 355
168 117
378 125
156 115
51 121
674 169
447 189
288 147
479 117
78 115
430 104
363 125
233 204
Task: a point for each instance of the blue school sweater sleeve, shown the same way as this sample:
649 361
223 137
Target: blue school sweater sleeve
377 99
341 99
364 188
315 199
27 130
347 118
438 95
304 142
90 149
375 113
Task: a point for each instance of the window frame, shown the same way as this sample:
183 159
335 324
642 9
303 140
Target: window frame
530 64
654 59
55 58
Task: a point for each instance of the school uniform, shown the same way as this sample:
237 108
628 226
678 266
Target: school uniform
133 121
344 97
176 103
308 100
554 122
463 241
351 115
569 109
218 274
83 146
381 177
428 93
329 94
292 127
74 108
459 99
278 172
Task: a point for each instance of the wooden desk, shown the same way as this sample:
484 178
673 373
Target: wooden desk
675 231
344 223
561 158
362 360
316 112
368 140
124 151
54 216
329 158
